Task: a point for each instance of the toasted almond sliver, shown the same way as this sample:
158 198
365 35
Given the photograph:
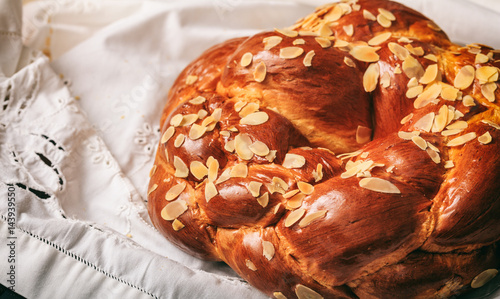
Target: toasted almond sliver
431 73
213 168
383 21
304 292
308 58
175 191
348 29
305 188
198 169
179 140
263 200
318 173
210 191
152 189
368 15
385 80
418 51
293 217
325 30
299 41
420 142
379 39
462 139
349 62
271 156
293 161
428 96
291 52
198 100
196 131
451 132
254 119
483 277
489 122
401 52
239 171
177 225
426 122
365 53
291 193
488 91
259 73
271 41
485 138
464 77
254 188
176 120
153 170
249 109
191 79
481 58
440 120
323 42
407 118
173 210
387 14
458 125
412 68
259 148
295 201
434 155
229 146
310 217
414 91
449 93
246 59
287 32
468 101
449 164
268 250
487 74
370 77
181 169
378 185
168 134
225 175
242 146
408 135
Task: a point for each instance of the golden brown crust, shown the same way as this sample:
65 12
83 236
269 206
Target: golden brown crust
354 154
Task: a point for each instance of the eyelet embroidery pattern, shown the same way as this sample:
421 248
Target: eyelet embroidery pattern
147 137
100 155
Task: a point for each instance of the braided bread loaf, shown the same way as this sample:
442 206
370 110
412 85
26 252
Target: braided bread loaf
354 154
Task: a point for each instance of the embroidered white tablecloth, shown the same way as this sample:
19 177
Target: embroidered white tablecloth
82 85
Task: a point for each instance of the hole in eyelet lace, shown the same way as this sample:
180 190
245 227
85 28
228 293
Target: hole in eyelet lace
37 193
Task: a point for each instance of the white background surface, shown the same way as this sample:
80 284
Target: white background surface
99 98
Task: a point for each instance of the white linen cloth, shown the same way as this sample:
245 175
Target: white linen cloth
80 104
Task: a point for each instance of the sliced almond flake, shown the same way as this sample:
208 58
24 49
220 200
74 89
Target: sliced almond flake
462 139
405 39
299 41
210 191
191 79
291 52
179 140
217 114
166 155
359 167
239 171
458 125
177 225
310 217
370 77
390 169
202 113
414 91
364 155
295 201
412 68
487 74
378 185
341 43
440 120
488 122
430 74
348 29
451 114
417 51
293 217
280 183
413 82
397 70
383 21
451 132
198 100
242 146
431 57
307 33
196 131
229 146
276 208
167 134
271 41
293 161
225 133
325 30
249 109
449 93
291 193
153 188
379 39
398 50
287 32
153 170
254 188
481 58
198 169
488 91
208 121
407 118
430 94
385 80
368 15
468 101
318 173
349 62
464 77
323 42
425 123
356 7
485 138
432 146
279 295
389 15
346 8
263 200
458 115
213 168
434 155
239 105
259 148
175 191
408 135
259 73
304 292
271 156
189 119
349 155
250 265
365 53
181 169
176 120
246 59
305 188
225 175
483 278
308 58
420 142
173 210
449 164
254 119
268 250
363 135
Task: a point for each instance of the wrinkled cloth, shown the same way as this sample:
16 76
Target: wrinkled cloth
82 86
